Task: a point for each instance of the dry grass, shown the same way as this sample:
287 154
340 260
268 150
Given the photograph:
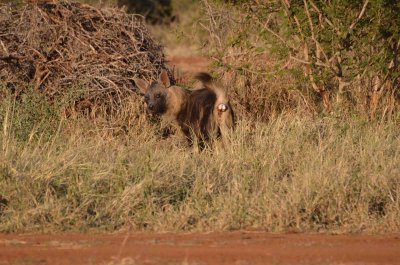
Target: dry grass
296 171
292 173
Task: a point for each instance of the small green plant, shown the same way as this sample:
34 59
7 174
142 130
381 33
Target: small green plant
29 114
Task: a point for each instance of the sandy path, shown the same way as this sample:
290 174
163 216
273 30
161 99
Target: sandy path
200 248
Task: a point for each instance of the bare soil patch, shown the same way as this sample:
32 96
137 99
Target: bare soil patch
199 248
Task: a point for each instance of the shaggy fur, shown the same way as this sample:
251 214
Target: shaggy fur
203 114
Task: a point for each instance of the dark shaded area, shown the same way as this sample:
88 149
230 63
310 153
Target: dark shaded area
196 113
155 11
3 204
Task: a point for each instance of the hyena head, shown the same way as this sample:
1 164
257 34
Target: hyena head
155 93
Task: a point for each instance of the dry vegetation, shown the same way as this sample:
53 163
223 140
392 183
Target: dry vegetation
338 57
293 173
290 167
91 55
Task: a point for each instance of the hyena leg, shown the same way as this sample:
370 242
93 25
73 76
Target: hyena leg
225 124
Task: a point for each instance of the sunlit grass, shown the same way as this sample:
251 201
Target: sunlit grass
293 173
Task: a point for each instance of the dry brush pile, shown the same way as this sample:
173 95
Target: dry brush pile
62 47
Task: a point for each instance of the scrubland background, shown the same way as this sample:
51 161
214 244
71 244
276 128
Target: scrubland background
315 86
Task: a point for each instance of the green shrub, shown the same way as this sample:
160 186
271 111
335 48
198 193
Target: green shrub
339 56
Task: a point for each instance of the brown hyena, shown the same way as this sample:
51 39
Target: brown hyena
202 114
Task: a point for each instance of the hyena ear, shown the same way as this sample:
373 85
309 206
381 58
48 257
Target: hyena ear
164 79
142 85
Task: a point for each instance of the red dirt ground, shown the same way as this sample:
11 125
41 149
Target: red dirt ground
199 248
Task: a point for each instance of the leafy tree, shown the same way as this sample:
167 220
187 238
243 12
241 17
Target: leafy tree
349 48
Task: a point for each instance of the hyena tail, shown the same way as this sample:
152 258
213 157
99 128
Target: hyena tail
224 113
209 83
